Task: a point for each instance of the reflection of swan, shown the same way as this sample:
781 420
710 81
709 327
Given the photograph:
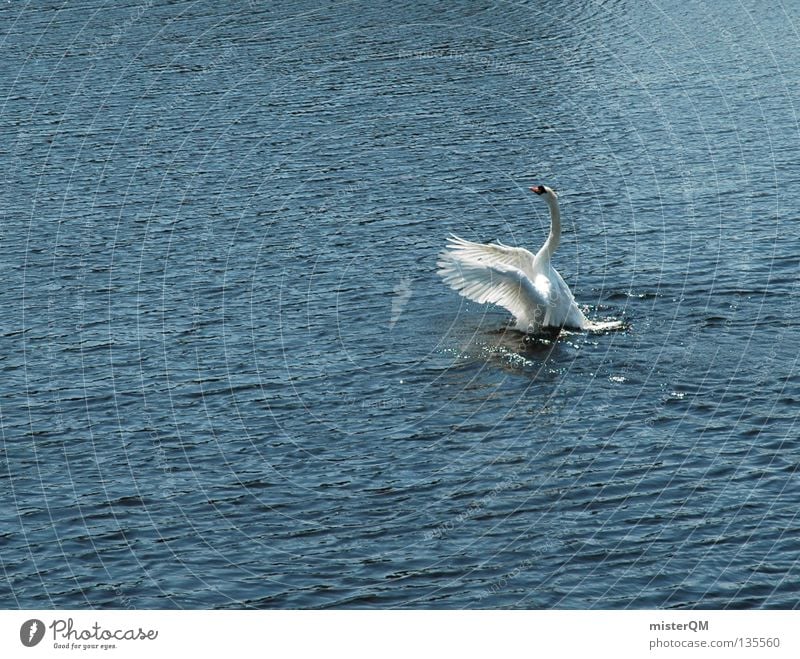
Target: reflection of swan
513 278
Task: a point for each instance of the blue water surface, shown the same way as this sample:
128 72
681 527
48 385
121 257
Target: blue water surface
232 378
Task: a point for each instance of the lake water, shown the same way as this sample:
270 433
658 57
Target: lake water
232 378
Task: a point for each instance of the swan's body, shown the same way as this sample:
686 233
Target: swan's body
512 277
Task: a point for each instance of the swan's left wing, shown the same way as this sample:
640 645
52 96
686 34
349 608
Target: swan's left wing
497 283
493 254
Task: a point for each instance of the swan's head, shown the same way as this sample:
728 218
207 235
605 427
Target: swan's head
543 190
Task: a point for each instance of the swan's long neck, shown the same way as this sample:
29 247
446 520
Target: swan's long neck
553 240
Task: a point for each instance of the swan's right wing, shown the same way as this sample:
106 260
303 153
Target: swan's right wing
497 283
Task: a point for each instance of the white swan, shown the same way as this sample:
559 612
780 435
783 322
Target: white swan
511 277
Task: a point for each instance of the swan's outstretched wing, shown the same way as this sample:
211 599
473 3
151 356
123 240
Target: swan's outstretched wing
493 254
498 283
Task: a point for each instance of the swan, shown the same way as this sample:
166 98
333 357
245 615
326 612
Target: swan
515 279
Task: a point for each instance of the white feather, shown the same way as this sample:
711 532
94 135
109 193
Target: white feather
497 283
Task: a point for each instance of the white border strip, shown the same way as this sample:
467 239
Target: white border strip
389 634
